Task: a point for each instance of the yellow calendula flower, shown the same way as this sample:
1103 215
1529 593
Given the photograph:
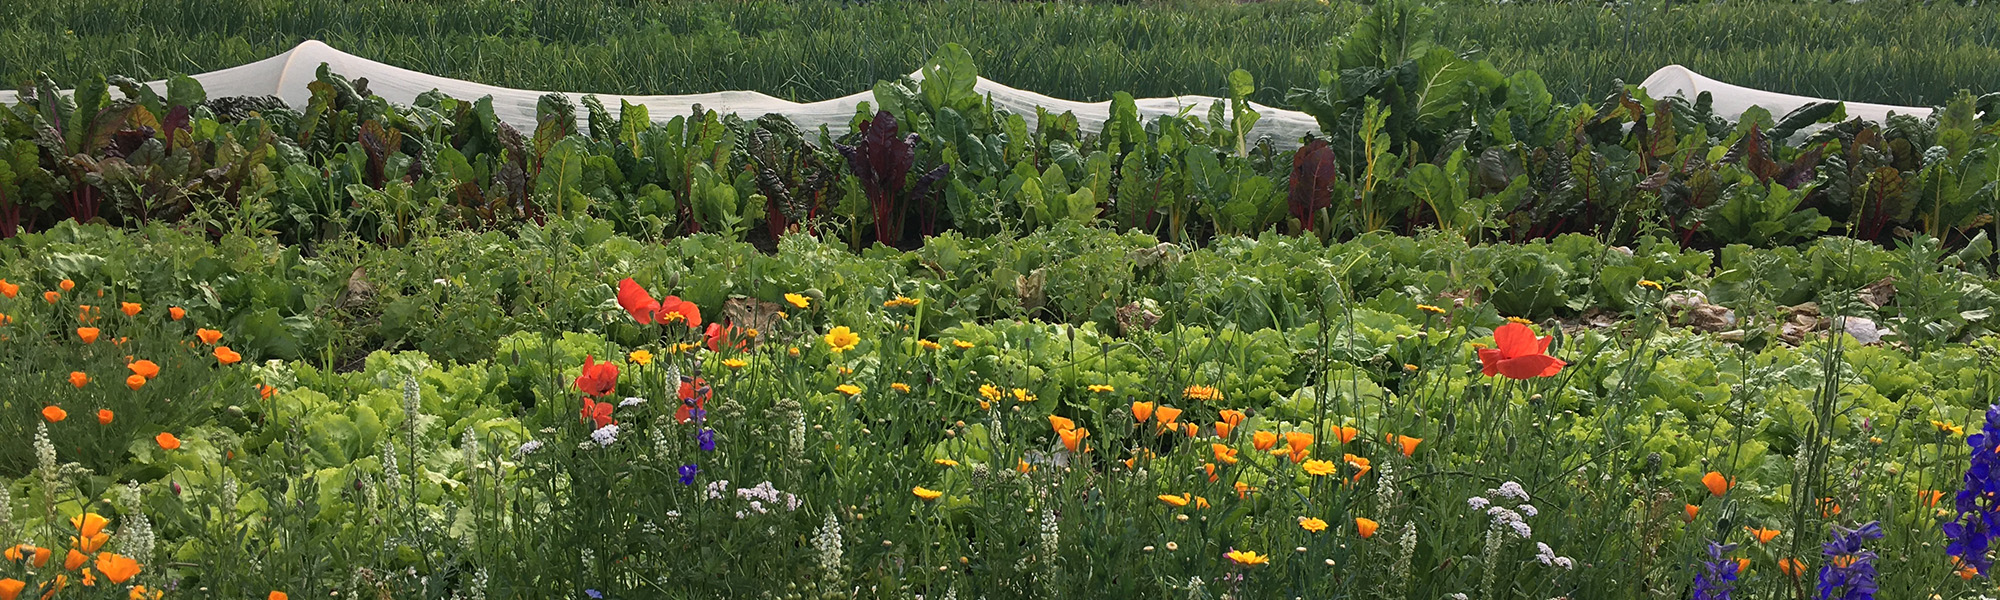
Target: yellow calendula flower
1247 558
1312 524
640 357
989 392
1101 389
798 300
848 389
946 462
928 345
794 351
1022 395
1320 468
962 344
1648 283
1176 501
1948 427
682 347
926 493
1520 320
1202 392
1430 309
735 363
900 387
842 339
901 302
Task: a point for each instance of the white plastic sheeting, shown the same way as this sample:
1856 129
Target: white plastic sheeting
286 76
1731 100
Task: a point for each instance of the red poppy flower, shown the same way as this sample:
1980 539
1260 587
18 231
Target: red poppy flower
598 378
1520 355
694 397
600 412
720 335
647 311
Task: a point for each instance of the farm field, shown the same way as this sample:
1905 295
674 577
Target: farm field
1500 329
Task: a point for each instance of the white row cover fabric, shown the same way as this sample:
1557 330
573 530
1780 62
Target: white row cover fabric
1730 101
286 76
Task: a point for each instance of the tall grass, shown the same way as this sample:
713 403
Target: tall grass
1876 52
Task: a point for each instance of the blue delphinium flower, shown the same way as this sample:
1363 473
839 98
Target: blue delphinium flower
1849 572
687 474
707 439
593 593
1717 578
1973 530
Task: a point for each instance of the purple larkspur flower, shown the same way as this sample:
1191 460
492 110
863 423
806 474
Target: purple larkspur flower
1973 530
707 439
593 593
1849 572
687 474
1717 578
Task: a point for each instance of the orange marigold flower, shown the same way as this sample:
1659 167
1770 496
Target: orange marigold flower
131 309
167 441
1202 392
87 334
226 356
104 416
1717 484
175 312
1366 527
54 414
208 336
77 378
1312 524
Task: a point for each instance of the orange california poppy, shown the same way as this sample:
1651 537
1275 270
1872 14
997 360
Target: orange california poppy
1167 415
1930 497
1061 423
116 567
1142 411
9 289
1717 484
208 336
51 296
1763 536
1192 430
104 416
1367 527
1792 566
1345 434
54 414
74 560
135 382
1222 429
1409 444
1518 354
176 313
1233 417
1242 489
87 334
10 588
1209 468
1224 453
277 595
1361 466
90 543
89 524
1073 438
226 356
131 309
144 368
265 391
66 285
1263 440
1298 441
77 378
1691 511
168 441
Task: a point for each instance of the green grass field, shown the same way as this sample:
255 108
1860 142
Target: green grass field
1889 52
